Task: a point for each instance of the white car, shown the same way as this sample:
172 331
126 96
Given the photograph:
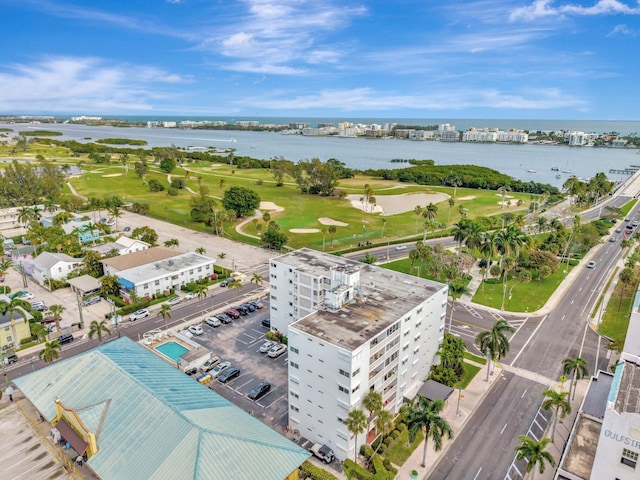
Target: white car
138 314
266 346
26 296
219 368
190 296
277 350
174 301
196 329
212 321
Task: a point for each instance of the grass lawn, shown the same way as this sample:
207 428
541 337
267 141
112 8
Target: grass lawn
470 371
398 452
615 319
404 266
627 207
525 297
475 358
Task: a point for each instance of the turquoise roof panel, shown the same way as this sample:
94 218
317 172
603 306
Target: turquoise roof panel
154 422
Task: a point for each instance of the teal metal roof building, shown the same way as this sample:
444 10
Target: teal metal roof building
152 421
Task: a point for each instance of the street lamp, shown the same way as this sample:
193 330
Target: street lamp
488 354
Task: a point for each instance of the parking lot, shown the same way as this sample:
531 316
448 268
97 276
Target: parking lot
239 343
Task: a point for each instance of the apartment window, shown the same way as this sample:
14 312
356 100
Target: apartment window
294 350
629 458
343 437
294 408
355 389
157 282
343 389
294 394
355 374
199 269
294 364
273 297
392 329
344 373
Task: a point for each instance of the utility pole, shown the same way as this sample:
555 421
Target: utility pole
79 309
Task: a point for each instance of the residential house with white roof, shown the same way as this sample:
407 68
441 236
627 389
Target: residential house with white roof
51 265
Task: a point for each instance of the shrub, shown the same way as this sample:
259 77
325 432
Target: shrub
388 440
309 470
155 185
259 182
172 192
177 183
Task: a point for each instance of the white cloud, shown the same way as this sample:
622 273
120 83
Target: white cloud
545 8
623 30
360 99
68 84
280 37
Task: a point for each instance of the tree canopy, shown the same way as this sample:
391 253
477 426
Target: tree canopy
243 201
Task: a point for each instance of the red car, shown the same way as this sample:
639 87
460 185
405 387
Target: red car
233 313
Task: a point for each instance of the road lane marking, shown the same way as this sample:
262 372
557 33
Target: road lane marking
524 393
477 474
503 428
524 347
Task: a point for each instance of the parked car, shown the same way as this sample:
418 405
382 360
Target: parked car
126 229
65 338
591 264
242 310
91 300
49 319
258 304
212 321
228 374
138 314
249 307
191 371
323 452
226 282
219 368
259 391
196 330
174 300
266 322
190 296
224 318
10 358
277 350
210 364
24 295
401 247
266 346
39 307
235 314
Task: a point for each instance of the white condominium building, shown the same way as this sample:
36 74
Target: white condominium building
351 328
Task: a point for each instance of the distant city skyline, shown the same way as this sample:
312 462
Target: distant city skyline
537 59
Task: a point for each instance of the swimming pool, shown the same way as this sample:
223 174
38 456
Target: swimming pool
172 350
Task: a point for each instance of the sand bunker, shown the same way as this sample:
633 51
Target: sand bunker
271 207
469 197
506 196
331 221
394 204
304 230
113 175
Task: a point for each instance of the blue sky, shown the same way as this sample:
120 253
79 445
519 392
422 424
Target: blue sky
546 59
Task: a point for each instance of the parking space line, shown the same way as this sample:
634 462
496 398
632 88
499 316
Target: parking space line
275 401
248 382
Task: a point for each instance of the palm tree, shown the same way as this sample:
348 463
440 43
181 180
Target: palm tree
561 406
418 211
452 202
356 423
15 305
577 368
57 311
237 284
257 279
425 416
222 256
201 250
50 352
534 453
116 212
332 231
494 342
200 291
165 313
384 421
98 328
5 265
372 401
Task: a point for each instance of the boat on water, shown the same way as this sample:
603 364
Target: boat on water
555 169
567 171
531 171
558 176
